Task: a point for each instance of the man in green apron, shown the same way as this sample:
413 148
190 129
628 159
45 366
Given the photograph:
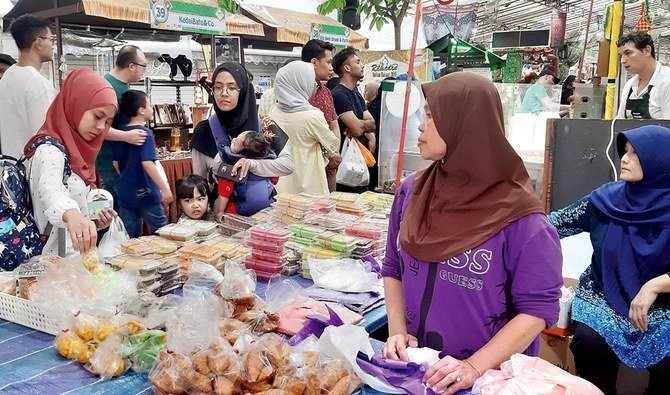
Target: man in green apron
645 95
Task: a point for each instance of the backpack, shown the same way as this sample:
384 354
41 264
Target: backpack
20 238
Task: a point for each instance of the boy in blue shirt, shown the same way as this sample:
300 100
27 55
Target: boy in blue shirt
141 188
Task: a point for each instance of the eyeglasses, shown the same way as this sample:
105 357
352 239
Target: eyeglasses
52 38
230 90
139 64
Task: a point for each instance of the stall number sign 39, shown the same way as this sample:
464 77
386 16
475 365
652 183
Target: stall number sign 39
160 12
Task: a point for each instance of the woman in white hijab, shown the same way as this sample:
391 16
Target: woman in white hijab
310 139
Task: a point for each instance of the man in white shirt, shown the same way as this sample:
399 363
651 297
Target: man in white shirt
645 95
26 94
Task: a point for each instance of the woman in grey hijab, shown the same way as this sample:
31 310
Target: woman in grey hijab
310 139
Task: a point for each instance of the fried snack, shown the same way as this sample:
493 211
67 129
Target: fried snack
217 359
258 366
195 380
103 331
84 329
85 355
91 261
333 372
112 366
258 387
70 345
260 322
201 365
311 358
313 384
275 392
340 388
259 304
223 386
165 383
231 329
278 351
287 380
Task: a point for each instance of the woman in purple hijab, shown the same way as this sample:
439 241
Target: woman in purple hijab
622 307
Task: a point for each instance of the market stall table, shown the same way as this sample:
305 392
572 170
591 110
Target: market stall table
30 364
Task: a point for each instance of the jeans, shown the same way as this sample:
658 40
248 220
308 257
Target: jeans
110 183
597 363
133 218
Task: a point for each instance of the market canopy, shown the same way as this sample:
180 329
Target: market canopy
130 14
295 27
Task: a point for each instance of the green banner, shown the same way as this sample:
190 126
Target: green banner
336 35
186 17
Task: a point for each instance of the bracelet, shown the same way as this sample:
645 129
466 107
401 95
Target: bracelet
479 372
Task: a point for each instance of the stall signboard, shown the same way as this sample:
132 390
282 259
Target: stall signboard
186 17
382 64
336 35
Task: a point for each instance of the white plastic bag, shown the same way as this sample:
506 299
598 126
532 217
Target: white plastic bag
345 275
344 342
353 171
110 245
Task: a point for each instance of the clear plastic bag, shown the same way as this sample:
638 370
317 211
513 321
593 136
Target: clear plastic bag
283 292
107 361
111 242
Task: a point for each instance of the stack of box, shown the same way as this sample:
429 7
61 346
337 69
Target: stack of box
268 250
291 208
372 240
178 232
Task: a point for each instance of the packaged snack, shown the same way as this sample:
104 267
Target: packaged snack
255 244
138 247
145 265
8 283
290 211
28 273
260 266
270 234
351 208
164 246
270 257
295 201
203 253
239 221
142 348
344 197
362 230
230 230
91 261
202 228
284 218
322 253
177 232
229 247
305 231
165 375
337 242
107 361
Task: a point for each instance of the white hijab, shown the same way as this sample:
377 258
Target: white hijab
294 85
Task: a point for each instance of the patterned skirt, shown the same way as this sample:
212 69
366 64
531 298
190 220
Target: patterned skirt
634 348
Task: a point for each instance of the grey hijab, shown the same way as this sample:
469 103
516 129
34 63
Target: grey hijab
294 85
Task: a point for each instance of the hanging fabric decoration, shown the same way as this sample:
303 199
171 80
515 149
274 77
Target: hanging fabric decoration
644 23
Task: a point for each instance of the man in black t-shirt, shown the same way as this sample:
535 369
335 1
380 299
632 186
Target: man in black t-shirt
354 118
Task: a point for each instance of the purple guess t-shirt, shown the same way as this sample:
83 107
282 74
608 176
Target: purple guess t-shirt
457 306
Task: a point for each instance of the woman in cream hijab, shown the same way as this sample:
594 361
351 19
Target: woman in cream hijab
309 136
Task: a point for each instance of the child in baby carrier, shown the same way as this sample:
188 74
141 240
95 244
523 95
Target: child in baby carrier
250 145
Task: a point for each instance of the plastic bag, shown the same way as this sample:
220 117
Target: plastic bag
194 324
367 155
345 342
110 245
353 170
526 375
283 292
107 361
346 275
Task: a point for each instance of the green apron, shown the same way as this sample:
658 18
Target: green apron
638 108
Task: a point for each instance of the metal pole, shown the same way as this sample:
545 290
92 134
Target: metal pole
59 46
408 87
586 42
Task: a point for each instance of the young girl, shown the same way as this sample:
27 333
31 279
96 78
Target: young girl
76 125
193 198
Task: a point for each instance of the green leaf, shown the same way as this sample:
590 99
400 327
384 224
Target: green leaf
329 5
229 5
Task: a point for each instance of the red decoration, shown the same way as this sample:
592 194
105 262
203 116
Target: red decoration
445 2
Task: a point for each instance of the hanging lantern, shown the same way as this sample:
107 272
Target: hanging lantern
644 23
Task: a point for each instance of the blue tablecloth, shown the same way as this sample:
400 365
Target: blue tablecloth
29 363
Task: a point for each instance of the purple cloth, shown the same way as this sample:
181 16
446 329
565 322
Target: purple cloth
458 306
405 375
315 325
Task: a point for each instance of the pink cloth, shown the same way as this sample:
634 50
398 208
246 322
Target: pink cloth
524 375
291 318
